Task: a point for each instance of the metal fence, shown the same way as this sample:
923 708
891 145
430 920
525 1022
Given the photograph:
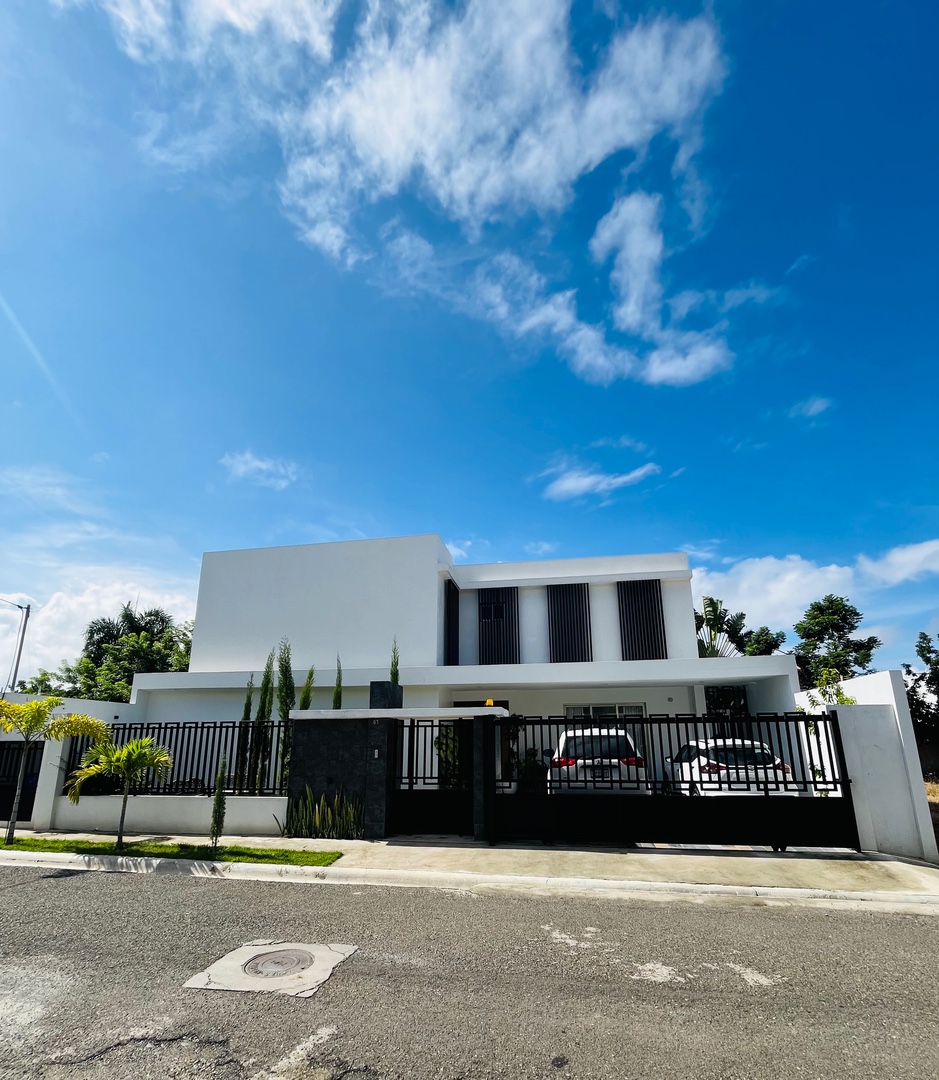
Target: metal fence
257 758
786 754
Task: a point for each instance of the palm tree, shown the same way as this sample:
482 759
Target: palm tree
719 633
100 633
33 720
128 763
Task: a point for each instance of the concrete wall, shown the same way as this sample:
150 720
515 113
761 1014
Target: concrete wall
543 701
884 766
318 595
190 815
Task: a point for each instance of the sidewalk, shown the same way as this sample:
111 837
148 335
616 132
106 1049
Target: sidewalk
448 862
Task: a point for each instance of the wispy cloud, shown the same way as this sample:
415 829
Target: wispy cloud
39 360
622 442
45 489
576 481
539 548
800 264
811 407
275 473
480 112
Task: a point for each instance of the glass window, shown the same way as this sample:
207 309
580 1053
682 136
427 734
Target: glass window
741 756
609 746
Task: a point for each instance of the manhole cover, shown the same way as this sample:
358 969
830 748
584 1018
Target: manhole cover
280 962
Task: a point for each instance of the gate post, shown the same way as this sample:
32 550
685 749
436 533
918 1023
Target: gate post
379 776
484 774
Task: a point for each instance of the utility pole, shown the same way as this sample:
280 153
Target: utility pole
21 638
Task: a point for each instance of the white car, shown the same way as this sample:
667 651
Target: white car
597 761
729 767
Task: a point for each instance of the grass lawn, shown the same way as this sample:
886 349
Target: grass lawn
152 849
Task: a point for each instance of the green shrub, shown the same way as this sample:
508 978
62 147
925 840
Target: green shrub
340 819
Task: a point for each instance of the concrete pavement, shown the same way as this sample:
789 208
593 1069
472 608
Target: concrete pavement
446 862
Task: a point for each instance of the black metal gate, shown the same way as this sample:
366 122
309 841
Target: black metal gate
778 780
9 769
432 789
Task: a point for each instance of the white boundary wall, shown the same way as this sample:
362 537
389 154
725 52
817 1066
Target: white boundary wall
883 763
245 815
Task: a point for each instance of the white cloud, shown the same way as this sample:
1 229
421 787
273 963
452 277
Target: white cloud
909 562
539 548
575 481
813 406
776 591
632 231
482 111
273 473
42 488
459 549
800 264
623 442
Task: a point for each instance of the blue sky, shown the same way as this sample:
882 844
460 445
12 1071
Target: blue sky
547 278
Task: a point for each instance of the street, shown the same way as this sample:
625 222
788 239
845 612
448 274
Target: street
455 986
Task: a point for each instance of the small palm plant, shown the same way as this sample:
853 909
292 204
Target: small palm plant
129 762
33 722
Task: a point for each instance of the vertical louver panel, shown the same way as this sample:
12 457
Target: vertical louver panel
569 624
642 620
498 626
451 625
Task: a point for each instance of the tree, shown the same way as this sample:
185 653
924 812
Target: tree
129 762
243 752
286 700
337 689
306 691
34 722
723 634
922 689
826 643
114 651
261 729
218 804
394 673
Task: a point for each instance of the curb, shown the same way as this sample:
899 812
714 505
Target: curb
461 881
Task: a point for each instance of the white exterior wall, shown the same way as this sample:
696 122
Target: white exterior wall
604 621
469 626
351 597
883 763
189 815
542 701
681 639
533 624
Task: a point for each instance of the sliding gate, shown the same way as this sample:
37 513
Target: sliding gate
433 778
774 780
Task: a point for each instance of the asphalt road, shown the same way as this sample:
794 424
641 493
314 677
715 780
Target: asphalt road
456 986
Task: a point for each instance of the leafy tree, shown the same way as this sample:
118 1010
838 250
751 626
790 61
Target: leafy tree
243 753
261 729
830 691
306 691
34 722
218 804
394 673
128 763
922 689
337 689
115 650
826 643
723 634
286 700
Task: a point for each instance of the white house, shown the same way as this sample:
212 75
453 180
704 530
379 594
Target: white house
550 638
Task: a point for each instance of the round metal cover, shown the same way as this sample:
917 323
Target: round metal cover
279 962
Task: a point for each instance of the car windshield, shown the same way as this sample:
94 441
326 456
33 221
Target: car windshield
610 745
741 755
